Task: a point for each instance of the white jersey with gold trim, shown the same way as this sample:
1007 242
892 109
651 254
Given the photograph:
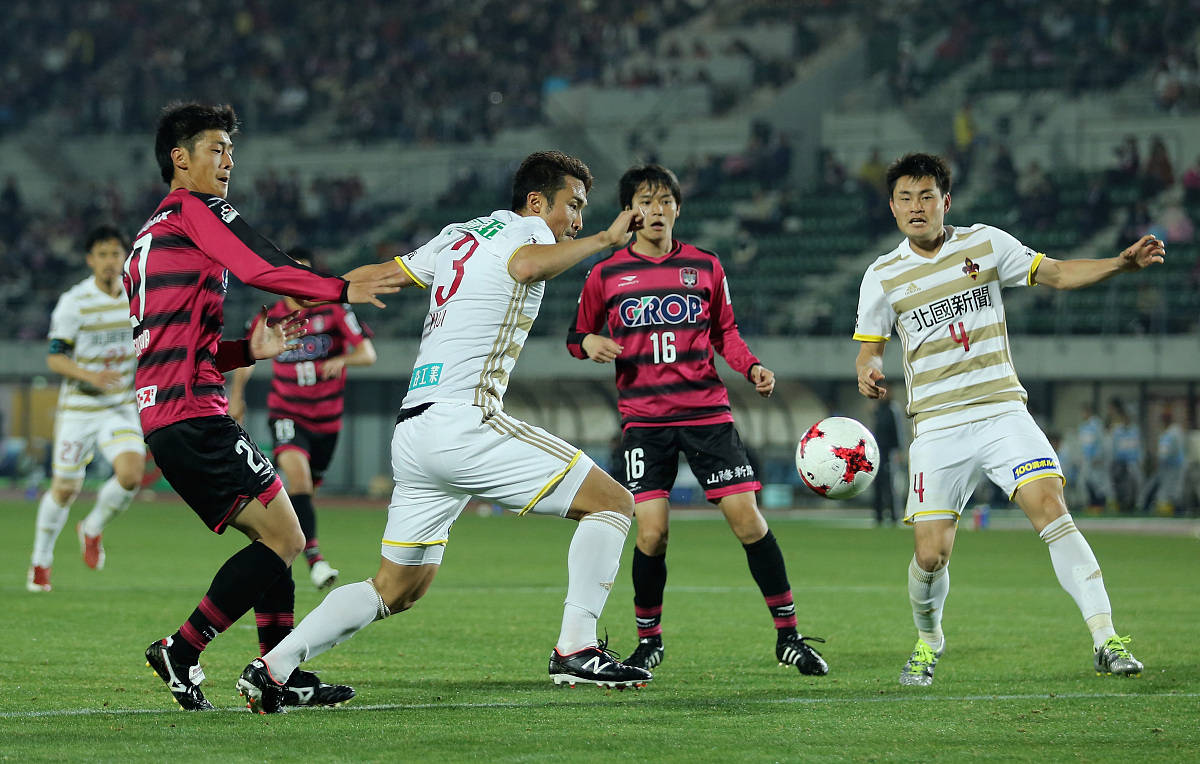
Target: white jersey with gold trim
479 316
948 312
95 326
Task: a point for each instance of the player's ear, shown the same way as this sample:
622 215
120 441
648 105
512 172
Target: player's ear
179 157
946 204
534 202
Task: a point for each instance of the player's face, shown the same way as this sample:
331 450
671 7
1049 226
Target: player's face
565 215
106 258
919 208
659 209
207 166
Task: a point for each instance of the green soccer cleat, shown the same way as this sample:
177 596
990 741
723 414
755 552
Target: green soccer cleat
1113 657
918 672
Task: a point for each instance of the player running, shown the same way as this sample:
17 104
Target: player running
176 278
940 288
667 308
453 440
91 347
305 404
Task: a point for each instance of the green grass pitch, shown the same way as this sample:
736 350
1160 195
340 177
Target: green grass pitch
463 675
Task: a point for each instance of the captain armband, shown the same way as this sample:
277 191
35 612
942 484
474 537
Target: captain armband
61 346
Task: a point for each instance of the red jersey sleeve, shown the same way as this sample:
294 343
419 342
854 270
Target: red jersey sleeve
589 314
233 354
726 339
353 331
220 232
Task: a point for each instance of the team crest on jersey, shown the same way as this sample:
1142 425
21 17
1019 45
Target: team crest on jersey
971 268
223 209
689 277
316 324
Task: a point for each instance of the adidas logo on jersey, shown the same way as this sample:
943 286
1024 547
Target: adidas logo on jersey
912 289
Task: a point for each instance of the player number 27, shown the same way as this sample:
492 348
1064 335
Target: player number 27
664 346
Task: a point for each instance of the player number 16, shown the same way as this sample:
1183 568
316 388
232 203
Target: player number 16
664 346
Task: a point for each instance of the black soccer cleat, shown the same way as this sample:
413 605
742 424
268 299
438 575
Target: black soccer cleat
303 688
262 693
794 650
648 653
595 665
182 680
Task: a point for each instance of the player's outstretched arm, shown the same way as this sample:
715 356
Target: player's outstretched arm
539 262
869 366
1074 274
362 355
269 337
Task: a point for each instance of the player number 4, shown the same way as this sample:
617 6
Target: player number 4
960 336
919 486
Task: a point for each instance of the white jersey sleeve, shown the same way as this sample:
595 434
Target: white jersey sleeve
420 263
66 319
1015 262
876 316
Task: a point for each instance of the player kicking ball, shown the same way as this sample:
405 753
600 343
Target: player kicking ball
941 288
453 441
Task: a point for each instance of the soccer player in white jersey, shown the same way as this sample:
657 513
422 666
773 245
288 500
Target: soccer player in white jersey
453 439
91 346
940 289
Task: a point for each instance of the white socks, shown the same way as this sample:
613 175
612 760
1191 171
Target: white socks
1079 574
927 591
50 521
592 563
111 501
342 614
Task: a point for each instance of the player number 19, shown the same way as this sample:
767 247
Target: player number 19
664 346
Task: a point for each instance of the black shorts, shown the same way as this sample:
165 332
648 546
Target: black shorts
214 466
317 447
714 452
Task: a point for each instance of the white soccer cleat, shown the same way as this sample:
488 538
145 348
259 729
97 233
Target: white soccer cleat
323 575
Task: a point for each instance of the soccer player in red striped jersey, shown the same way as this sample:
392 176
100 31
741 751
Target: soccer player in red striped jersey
304 407
175 278
667 308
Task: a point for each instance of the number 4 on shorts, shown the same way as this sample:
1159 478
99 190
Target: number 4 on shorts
919 486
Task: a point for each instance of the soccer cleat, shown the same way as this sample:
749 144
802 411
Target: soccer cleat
595 665
918 671
91 548
303 688
648 653
794 650
262 693
323 574
182 680
38 579
1113 657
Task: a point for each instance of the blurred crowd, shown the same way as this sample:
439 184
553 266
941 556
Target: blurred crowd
1111 467
438 71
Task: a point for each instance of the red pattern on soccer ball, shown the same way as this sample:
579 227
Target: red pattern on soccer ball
855 458
813 432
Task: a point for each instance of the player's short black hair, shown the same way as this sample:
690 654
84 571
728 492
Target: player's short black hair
547 172
919 166
654 176
103 232
180 123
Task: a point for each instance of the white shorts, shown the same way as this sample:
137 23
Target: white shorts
76 435
945 465
450 453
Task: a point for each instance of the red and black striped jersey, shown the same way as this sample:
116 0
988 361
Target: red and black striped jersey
299 390
669 314
176 277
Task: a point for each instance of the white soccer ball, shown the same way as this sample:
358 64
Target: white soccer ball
837 457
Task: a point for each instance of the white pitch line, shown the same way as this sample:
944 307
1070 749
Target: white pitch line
750 701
